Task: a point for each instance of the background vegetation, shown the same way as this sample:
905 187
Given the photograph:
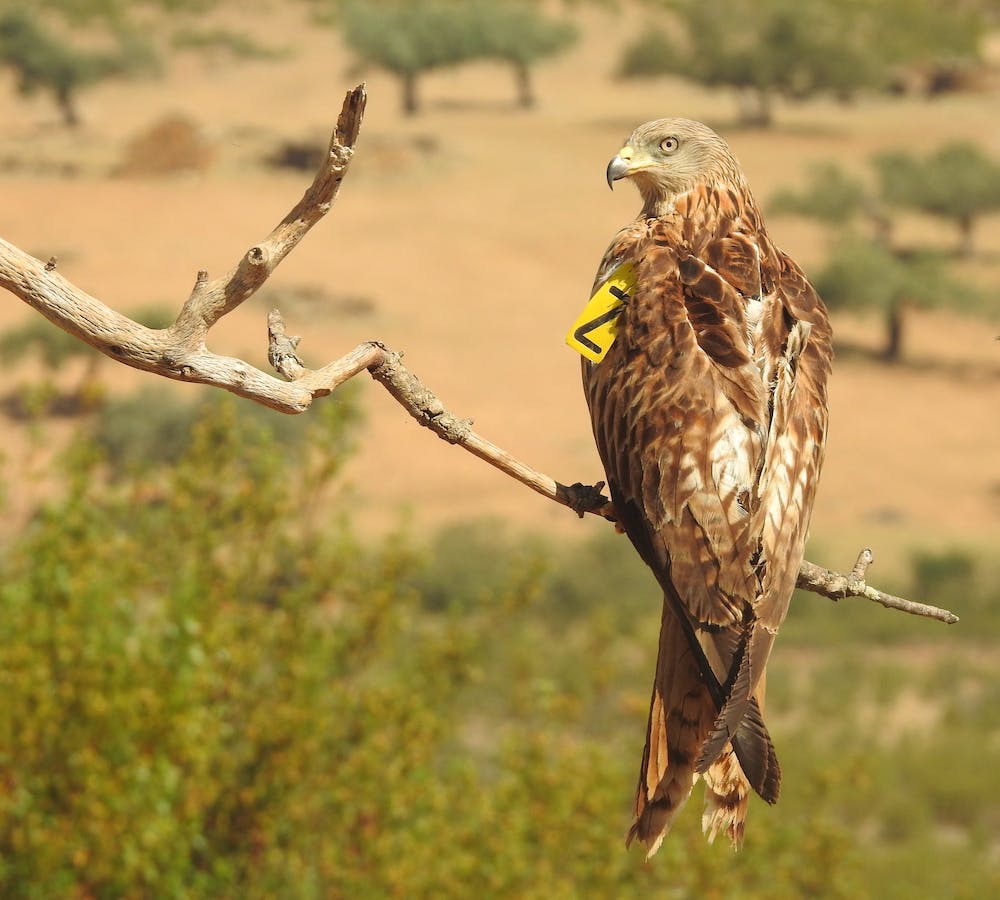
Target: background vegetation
214 687
219 683
769 49
866 267
412 38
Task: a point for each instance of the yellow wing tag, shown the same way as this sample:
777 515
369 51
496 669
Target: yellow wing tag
595 330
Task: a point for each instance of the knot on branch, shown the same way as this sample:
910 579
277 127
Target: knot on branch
256 255
451 428
281 348
340 157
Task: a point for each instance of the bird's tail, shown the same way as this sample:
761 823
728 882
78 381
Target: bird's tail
747 763
726 794
681 715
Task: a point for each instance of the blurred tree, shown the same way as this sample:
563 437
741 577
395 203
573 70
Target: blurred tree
958 183
836 199
831 196
407 40
410 39
518 34
226 44
873 274
56 349
43 62
111 12
863 275
40 41
41 396
794 49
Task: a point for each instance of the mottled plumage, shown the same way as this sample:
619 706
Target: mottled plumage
710 416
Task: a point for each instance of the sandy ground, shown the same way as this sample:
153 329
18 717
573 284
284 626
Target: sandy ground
475 230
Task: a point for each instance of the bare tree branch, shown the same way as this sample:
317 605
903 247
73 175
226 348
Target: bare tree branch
836 586
179 352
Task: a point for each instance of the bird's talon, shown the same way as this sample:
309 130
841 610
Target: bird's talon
583 498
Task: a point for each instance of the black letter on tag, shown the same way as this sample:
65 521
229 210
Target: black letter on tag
581 333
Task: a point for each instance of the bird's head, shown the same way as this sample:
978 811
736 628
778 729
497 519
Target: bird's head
669 157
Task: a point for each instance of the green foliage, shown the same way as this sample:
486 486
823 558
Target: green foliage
42 61
40 338
154 316
137 434
863 275
831 196
949 573
169 659
406 38
468 563
215 688
409 39
233 43
794 49
958 182
141 431
516 33
56 349
777 46
115 12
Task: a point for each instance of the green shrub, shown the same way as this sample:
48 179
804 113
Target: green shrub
155 426
215 688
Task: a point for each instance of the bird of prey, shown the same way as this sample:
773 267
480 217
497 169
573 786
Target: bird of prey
709 410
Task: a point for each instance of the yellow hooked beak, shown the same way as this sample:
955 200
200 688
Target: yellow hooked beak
626 163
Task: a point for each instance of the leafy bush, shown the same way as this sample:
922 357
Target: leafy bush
218 689
223 41
950 573
39 337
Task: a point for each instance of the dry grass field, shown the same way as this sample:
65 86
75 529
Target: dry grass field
474 230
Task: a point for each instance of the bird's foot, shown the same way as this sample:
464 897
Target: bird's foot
586 498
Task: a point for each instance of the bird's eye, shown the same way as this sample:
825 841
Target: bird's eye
669 145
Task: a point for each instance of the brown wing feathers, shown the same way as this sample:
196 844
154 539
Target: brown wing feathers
685 410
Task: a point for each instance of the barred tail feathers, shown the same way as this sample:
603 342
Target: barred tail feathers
681 715
727 793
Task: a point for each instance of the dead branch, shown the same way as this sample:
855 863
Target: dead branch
179 352
836 586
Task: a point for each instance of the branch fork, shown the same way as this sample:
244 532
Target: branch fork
180 352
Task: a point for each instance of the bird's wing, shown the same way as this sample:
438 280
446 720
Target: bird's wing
797 354
684 409
680 414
